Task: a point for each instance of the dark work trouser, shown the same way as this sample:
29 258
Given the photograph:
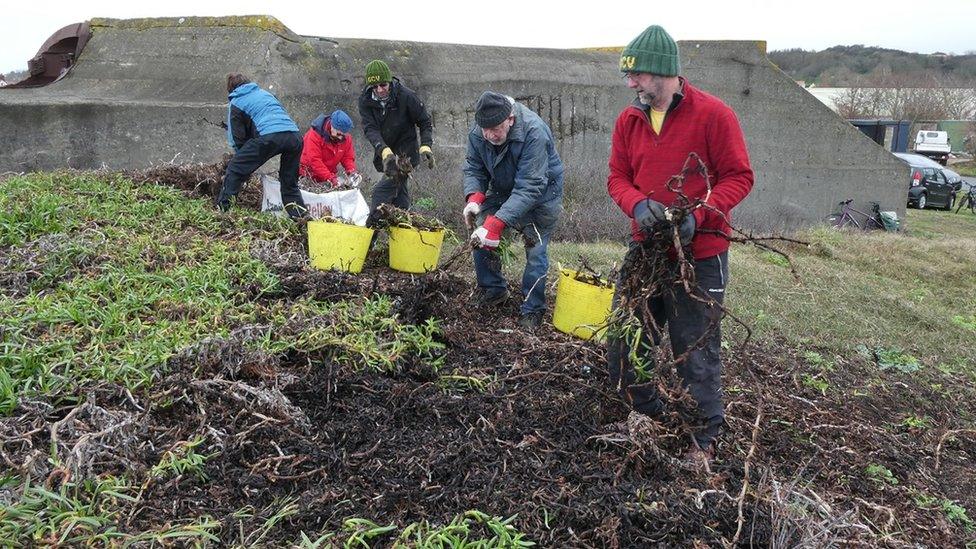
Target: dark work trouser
255 153
687 321
388 191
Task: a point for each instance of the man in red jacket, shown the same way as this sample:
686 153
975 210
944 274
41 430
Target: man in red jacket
652 138
328 144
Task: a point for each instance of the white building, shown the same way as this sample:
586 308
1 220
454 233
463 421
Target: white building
964 99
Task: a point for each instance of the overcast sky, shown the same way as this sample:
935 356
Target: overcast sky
906 25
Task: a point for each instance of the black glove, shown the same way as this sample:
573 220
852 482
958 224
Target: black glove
647 212
686 231
428 156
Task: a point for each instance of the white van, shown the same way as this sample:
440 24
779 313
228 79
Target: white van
933 144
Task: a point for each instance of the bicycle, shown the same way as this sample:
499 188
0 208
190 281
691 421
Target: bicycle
968 200
848 217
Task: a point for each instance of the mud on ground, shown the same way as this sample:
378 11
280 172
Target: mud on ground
514 423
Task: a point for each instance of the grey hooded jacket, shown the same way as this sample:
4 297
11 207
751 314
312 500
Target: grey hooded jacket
522 176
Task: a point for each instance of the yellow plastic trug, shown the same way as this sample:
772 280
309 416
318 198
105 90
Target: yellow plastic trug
582 309
413 250
338 246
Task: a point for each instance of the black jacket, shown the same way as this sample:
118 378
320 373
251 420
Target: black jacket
394 126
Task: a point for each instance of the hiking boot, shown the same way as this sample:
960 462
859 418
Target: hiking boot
531 321
492 299
698 459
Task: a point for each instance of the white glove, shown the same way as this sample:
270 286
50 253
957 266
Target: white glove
481 239
355 179
471 212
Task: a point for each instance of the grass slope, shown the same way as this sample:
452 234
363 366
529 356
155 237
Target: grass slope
169 374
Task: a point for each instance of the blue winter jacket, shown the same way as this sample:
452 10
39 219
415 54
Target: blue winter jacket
523 174
253 112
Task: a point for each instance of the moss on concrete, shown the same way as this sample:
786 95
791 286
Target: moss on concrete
312 61
605 49
260 22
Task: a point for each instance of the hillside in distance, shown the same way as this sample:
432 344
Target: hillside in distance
858 65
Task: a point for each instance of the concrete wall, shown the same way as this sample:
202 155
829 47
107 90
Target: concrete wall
806 158
146 91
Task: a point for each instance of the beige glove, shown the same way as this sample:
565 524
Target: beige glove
428 156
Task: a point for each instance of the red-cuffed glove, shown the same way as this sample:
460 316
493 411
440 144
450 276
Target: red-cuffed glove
472 209
488 234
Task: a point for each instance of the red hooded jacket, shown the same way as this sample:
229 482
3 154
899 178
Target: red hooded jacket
641 162
321 155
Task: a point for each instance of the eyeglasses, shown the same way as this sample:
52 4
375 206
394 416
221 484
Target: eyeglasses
630 75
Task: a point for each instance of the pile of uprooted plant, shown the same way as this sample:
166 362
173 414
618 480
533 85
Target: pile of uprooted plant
388 216
326 409
197 179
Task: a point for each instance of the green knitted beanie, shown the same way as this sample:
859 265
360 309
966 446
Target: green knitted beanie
653 51
377 72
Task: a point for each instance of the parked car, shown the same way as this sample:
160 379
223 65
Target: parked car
951 175
954 178
929 185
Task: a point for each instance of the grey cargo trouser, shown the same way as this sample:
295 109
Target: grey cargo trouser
687 321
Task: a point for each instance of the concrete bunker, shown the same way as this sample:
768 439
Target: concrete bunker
149 91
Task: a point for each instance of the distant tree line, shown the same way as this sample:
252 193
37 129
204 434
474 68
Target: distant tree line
904 98
846 66
14 76
901 99
884 83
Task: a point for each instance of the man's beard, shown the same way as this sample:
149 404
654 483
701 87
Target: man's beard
645 98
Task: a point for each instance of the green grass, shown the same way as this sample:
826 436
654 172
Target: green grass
368 335
880 290
913 291
87 514
602 256
967 168
122 276
470 530
181 459
952 510
880 475
151 282
130 274
115 279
